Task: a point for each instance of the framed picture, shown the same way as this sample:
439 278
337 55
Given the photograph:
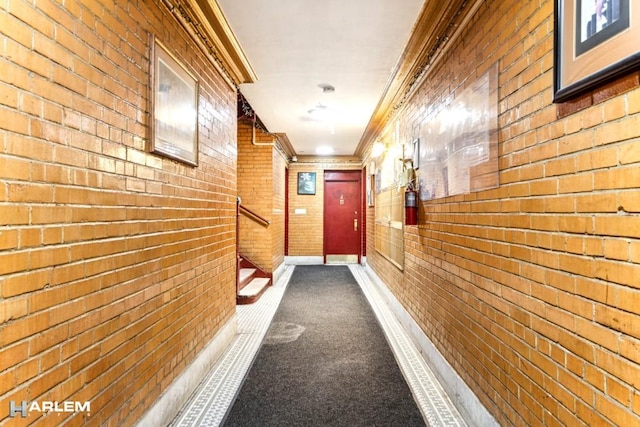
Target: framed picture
306 183
371 183
174 107
595 41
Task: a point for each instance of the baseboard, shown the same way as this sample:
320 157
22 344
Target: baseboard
277 273
342 259
467 403
304 260
167 406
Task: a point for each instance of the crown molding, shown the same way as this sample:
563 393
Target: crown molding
224 40
344 160
437 23
284 145
206 23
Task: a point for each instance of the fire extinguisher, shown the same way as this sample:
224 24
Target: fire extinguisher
411 207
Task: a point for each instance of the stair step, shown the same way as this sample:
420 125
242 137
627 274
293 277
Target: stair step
254 288
246 273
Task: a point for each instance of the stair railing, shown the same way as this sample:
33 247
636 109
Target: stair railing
253 216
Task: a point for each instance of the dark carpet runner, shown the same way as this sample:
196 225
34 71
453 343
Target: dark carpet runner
325 361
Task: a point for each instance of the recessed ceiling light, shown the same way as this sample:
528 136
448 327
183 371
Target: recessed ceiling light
324 150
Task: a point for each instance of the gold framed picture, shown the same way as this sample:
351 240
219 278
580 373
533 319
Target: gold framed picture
595 41
174 107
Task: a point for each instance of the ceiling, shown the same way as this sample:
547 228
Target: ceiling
300 49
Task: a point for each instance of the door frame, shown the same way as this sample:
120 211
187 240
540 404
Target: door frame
286 211
353 175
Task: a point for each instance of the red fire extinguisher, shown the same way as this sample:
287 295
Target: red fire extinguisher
411 207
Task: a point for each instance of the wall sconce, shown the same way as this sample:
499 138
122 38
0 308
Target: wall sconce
377 149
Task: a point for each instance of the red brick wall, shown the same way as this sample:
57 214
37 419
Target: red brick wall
116 265
531 290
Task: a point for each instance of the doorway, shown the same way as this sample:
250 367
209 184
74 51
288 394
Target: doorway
343 219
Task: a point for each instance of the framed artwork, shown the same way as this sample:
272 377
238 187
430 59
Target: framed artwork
595 41
370 184
306 183
174 107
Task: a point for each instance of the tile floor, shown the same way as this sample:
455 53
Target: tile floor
210 402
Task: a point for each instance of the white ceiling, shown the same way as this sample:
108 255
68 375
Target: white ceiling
298 46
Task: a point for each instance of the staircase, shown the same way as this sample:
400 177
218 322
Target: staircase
252 281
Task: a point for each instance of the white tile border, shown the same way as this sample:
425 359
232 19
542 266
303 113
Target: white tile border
209 405
436 407
177 394
304 260
470 407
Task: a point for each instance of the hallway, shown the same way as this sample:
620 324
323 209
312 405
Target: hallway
496 214
213 398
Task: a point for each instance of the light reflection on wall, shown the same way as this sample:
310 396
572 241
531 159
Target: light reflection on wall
458 145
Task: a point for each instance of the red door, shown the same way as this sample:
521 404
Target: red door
342 216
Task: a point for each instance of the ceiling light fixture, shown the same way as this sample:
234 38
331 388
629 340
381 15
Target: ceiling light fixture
321 113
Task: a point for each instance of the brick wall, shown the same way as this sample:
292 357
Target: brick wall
261 186
278 215
531 291
255 188
116 265
306 229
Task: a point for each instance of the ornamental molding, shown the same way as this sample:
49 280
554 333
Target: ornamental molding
438 25
207 25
